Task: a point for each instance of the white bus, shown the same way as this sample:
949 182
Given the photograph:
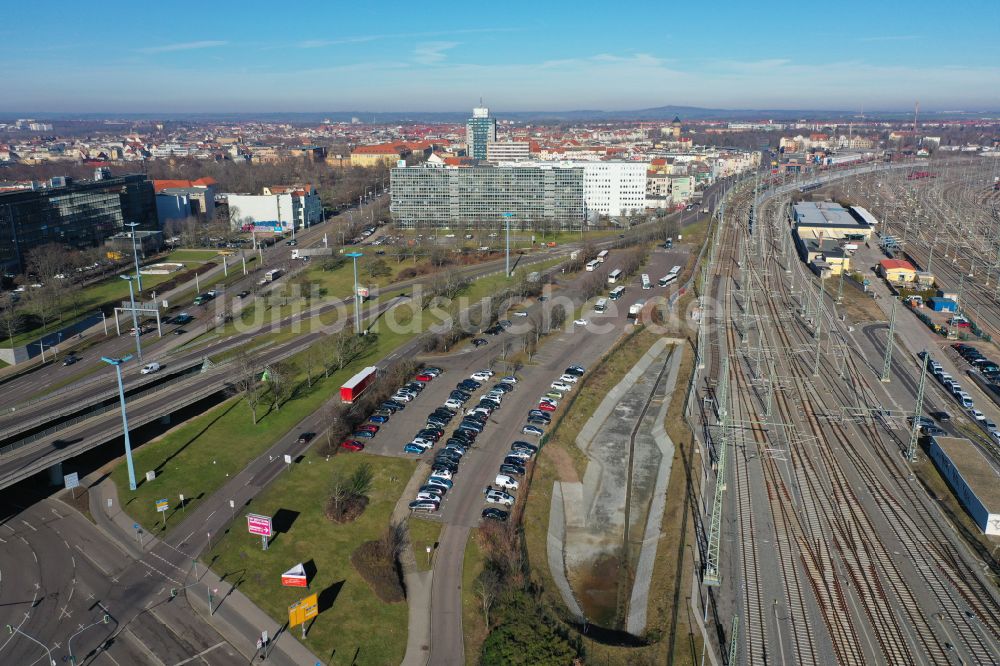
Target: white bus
675 270
592 265
601 256
614 276
667 279
646 284
617 293
601 305
273 274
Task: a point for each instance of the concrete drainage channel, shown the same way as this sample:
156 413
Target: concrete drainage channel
594 524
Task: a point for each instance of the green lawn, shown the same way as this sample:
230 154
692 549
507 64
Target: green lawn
473 620
85 302
354 626
195 458
189 256
423 533
340 282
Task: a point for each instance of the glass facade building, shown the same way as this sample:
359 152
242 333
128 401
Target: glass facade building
480 130
479 196
78 215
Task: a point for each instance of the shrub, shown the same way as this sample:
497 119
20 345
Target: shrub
378 563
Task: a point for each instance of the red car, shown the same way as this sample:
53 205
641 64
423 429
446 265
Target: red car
546 407
352 445
424 378
370 427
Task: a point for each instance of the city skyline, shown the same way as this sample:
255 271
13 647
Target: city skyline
529 58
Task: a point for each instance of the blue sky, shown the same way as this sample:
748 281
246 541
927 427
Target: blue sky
541 55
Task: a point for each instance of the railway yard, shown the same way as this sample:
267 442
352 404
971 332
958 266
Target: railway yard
821 544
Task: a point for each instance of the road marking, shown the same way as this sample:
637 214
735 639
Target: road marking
144 648
152 568
94 562
58 515
66 543
33 529
200 654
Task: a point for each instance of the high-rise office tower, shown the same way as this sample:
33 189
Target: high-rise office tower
480 129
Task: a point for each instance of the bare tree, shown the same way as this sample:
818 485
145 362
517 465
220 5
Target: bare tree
486 588
557 316
10 318
247 382
280 381
313 358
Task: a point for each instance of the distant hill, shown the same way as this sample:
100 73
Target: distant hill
664 113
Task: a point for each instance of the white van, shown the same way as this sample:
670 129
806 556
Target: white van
150 368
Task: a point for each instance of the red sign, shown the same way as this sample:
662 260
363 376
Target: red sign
295 577
259 525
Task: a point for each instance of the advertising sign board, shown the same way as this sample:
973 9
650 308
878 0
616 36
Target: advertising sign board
259 525
295 577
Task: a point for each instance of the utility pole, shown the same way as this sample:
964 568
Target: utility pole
732 640
712 567
918 409
887 365
840 285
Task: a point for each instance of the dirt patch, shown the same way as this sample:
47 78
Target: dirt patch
565 469
857 306
81 502
597 590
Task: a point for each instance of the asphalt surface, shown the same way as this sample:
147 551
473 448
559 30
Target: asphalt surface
461 509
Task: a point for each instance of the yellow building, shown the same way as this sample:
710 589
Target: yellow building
897 270
385 153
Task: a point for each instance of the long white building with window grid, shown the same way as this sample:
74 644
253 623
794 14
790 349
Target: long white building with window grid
481 195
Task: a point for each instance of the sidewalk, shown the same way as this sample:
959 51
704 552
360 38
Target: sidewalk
236 618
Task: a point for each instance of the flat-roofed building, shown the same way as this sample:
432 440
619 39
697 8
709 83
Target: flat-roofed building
508 151
825 219
975 482
480 195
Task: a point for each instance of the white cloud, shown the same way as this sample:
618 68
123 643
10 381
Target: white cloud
184 46
429 53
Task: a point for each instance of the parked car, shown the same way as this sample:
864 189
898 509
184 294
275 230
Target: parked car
511 469
433 488
479 342
370 427
524 446
561 386
378 418
509 379
424 505
492 513
352 445
532 430
547 406
518 453
424 378
506 482
444 483
430 497
362 434
575 370
569 379
499 497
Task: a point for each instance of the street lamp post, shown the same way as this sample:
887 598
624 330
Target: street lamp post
135 253
69 646
506 219
135 322
118 362
357 307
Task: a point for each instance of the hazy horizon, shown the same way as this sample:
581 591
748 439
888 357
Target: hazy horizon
529 58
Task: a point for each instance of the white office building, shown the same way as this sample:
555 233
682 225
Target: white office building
278 207
613 189
508 151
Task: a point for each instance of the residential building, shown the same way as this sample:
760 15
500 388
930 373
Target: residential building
385 154
481 195
76 214
278 208
480 130
508 151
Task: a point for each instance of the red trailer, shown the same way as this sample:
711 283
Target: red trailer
356 385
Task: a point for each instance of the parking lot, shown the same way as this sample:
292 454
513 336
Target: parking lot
572 345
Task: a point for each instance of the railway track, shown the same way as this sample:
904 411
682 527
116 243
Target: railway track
867 601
